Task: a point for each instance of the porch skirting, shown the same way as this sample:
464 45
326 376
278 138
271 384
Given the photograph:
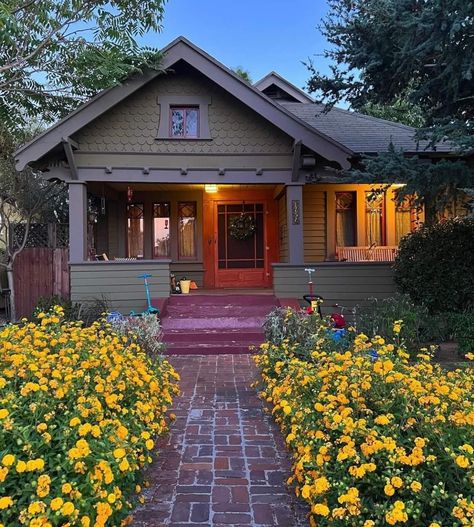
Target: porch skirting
344 283
119 282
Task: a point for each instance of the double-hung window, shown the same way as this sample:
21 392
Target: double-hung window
184 122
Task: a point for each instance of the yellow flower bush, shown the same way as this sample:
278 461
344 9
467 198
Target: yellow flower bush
78 414
377 440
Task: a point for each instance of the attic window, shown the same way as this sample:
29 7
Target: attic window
184 117
184 122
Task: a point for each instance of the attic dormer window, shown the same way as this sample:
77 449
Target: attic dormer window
184 117
184 122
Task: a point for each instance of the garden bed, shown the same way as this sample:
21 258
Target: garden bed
79 410
377 439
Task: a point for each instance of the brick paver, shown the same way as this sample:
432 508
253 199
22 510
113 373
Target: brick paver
224 463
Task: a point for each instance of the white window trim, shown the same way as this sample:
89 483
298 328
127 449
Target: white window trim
167 101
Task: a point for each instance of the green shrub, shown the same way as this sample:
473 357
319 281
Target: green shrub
144 330
46 303
288 327
435 266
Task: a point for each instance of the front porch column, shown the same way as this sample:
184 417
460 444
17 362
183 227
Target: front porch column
77 221
294 222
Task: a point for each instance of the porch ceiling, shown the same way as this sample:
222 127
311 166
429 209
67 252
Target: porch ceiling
122 187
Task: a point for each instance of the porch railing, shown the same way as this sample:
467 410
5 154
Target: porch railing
383 253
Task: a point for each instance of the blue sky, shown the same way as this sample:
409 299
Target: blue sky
259 35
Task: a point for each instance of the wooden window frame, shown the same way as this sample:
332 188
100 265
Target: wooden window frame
383 223
166 102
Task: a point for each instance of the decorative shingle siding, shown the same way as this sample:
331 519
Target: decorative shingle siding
132 125
314 215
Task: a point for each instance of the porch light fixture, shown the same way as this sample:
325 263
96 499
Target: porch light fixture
211 189
399 185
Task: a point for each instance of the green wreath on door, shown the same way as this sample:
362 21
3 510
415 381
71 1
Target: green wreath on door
241 227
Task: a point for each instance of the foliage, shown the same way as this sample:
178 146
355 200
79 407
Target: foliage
400 111
378 316
144 330
24 197
54 54
384 50
376 440
243 74
432 185
94 309
80 411
434 266
461 326
285 326
69 308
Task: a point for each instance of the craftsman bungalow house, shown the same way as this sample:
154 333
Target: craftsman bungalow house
233 185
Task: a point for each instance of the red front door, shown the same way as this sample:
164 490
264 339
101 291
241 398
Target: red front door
243 243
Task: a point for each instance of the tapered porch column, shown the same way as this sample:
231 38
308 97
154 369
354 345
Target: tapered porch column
77 221
294 222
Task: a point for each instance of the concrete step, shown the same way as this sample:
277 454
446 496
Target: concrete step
213 335
210 349
189 324
231 299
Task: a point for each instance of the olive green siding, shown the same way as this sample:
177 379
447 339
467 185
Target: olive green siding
314 224
119 283
343 283
282 228
131 128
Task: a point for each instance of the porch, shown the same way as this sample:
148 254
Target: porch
119 231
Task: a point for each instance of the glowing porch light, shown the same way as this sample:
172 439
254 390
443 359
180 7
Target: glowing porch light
211 189
399 185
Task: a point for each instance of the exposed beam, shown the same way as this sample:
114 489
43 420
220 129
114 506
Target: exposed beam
296 161
67 145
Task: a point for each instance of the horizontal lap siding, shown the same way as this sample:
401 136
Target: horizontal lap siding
314 224
346 284
191 271
118 283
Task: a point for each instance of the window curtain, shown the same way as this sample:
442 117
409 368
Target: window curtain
374 218
345 219
135 230
187 230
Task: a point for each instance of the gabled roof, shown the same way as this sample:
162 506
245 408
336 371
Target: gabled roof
183 49
274 79
361 133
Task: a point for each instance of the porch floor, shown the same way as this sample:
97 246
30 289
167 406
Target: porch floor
231 291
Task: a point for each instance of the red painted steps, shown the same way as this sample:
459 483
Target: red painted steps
215 324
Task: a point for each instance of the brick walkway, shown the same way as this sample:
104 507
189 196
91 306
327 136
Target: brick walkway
225 462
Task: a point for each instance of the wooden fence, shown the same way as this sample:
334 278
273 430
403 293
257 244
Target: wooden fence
40 272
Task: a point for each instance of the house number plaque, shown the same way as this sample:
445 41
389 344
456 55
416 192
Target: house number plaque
295 211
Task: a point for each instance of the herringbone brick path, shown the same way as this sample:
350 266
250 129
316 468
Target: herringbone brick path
224 462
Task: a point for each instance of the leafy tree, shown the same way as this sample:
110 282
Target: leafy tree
387 54
56 53
400 111
432 185
24 197
386 49
243 74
